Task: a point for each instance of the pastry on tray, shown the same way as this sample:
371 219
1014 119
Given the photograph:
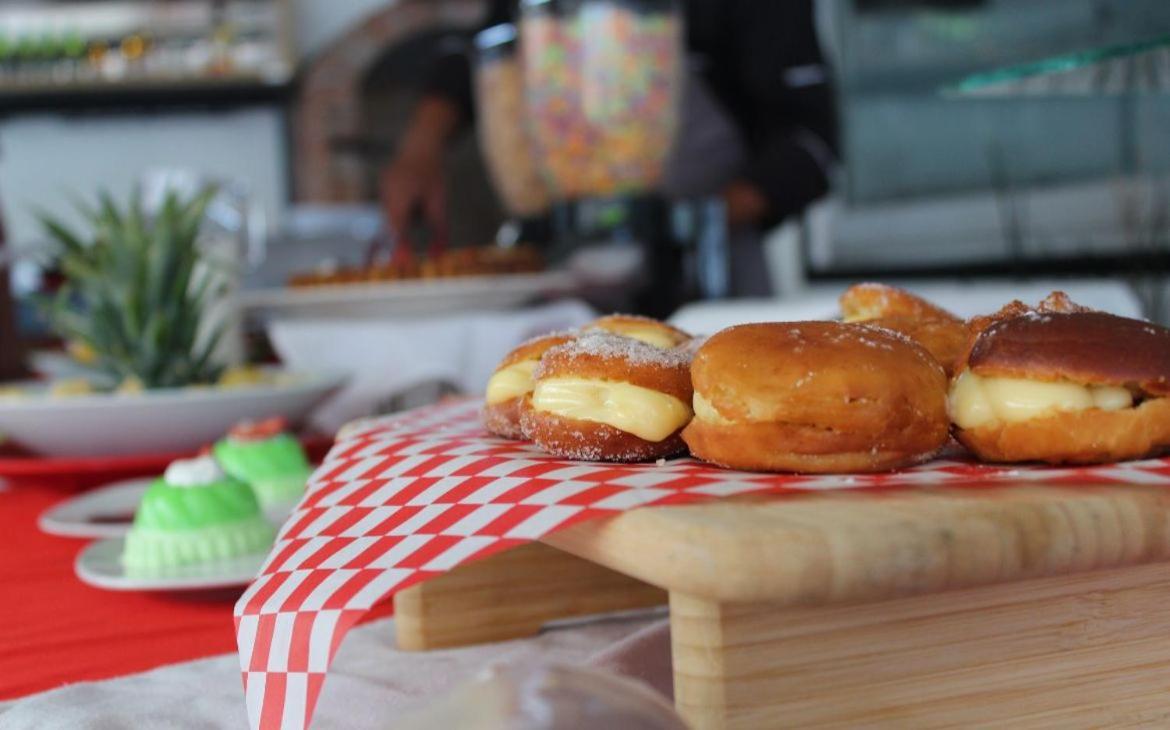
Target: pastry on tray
194 514
816 397
1063 384
470 261
269 459
605 397
650 331
512 383
943 334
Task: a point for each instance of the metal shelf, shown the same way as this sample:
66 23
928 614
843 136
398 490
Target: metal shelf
142 92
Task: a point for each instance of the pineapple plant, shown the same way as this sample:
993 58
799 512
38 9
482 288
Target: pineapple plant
136 291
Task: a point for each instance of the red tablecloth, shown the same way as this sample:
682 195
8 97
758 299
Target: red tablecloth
55 629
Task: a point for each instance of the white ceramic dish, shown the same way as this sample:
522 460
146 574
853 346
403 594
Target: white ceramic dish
409 297
104 512
100 565
157 421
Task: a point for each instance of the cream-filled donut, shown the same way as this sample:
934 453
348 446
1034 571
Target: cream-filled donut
512 382
816 397
606 397
1063 384
944 335
650 331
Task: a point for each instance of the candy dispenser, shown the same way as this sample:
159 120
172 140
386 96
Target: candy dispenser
603 85
503 131
631 74
550 46
603 82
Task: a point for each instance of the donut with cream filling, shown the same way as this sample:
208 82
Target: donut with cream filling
650 331
816 397
1063 384
512 383
605 397
943 334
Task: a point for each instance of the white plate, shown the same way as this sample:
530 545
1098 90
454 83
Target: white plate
156 421
109 511
409 297
105 512
100 565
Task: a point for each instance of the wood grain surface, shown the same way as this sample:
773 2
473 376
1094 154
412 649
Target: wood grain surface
511 595
1082 651
838 547
1020 606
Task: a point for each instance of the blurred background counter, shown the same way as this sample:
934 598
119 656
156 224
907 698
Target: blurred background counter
296 107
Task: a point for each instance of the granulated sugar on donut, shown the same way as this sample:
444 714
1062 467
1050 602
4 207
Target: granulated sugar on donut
608 346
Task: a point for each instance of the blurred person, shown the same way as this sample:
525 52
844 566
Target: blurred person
10 365
758 129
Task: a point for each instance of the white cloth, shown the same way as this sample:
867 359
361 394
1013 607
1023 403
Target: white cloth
384 357
370 683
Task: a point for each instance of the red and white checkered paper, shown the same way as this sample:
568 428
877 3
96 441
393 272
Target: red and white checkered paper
412 496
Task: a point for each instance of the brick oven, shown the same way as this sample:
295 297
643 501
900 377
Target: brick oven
356 97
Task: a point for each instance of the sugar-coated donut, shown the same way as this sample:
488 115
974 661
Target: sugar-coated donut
943 334
650 331
605 397
512 383
816 397
1063 384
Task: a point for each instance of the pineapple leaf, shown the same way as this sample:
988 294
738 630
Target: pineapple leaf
68 240
138 289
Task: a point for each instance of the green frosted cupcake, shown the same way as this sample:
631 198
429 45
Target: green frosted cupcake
194 514
269 460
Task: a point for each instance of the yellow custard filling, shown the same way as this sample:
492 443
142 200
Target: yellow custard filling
704 411
510 382
648 333
860 315
976 401
646 413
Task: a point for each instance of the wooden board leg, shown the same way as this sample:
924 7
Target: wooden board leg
1070 652
511 595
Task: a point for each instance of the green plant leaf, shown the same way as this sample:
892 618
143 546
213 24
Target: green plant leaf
131 292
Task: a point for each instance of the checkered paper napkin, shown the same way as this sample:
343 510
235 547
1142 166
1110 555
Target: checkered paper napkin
408 497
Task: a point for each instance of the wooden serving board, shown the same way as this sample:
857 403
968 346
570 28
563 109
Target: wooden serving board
1027 606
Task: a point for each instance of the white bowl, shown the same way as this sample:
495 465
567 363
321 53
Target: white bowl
407 298
156 421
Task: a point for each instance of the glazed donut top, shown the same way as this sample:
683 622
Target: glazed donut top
604 356
1079 346
814 372
1055 303
650 331
862 302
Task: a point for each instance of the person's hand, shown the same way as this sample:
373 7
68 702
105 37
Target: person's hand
745 203
413 183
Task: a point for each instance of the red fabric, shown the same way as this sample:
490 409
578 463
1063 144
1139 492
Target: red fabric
55 630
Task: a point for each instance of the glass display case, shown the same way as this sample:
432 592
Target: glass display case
903 137
1019 179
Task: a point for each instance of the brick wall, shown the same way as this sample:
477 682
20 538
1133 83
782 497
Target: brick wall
331 104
